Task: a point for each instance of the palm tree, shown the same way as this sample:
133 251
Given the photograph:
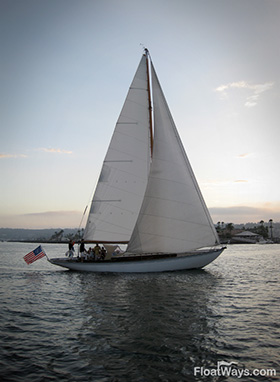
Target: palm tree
270 226
229 227
262 230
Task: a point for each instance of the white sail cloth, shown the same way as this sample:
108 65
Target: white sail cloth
173 217
123 179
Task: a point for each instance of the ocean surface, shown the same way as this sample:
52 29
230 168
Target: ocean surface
58 325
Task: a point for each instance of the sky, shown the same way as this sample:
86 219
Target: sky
66 67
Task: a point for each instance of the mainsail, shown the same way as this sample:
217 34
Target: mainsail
123 179
173 217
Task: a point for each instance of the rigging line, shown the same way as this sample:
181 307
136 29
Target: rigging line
89 201
82 218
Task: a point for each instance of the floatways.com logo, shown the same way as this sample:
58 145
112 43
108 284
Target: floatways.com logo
231 369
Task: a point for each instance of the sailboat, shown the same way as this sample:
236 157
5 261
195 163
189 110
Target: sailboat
147 198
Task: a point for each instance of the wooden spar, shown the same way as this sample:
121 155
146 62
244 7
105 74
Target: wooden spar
150 101
104 242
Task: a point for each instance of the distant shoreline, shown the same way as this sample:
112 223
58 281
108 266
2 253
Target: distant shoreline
36 241
63 235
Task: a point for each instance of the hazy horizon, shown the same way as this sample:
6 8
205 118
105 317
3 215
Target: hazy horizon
52 217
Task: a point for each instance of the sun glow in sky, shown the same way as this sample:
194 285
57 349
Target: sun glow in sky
65 70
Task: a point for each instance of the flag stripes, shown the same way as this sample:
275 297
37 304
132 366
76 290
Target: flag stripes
36 254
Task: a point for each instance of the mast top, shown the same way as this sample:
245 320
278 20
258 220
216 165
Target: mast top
146 50
149 99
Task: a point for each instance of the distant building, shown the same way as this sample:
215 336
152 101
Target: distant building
247 237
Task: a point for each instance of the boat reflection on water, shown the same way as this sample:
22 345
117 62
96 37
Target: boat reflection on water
157 325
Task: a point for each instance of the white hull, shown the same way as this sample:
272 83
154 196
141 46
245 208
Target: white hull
179 263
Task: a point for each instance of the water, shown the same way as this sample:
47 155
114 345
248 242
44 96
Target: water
58 325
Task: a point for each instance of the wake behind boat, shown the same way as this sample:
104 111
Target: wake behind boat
147 196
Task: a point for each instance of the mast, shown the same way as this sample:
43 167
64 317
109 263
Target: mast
150 100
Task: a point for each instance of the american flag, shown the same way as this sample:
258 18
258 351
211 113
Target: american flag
37 254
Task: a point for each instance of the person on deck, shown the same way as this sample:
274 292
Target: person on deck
91 255
97 251
71 245
82 250
103 253
71 249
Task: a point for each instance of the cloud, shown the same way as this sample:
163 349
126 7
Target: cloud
255 89
47 219
243 156
51 214
223 183
2 156
47 150
235 210
52 150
